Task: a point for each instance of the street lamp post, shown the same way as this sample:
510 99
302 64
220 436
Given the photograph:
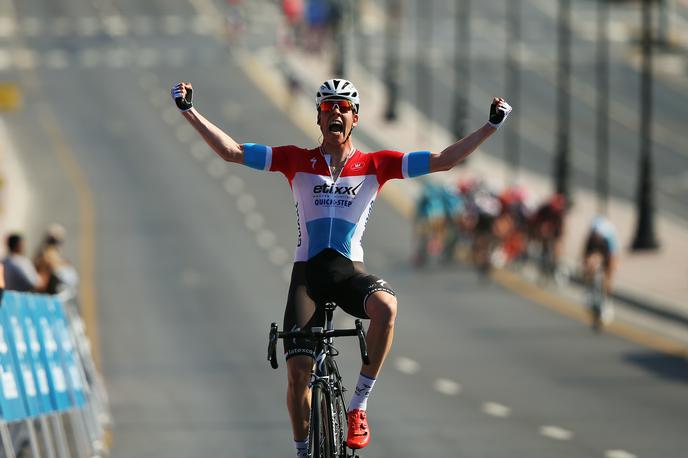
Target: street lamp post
392 44
645 238
462 49
513 84
343 34
423 48
561 164
602 172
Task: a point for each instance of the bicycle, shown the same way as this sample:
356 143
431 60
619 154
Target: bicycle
601 312
328 420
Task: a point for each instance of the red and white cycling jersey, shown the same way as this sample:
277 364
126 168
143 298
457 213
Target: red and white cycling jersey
333 213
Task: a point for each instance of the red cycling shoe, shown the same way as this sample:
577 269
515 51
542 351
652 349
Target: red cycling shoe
359 434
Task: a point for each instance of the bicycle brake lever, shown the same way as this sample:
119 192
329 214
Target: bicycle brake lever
272 346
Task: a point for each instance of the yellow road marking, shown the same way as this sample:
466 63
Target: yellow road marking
68 162
570 309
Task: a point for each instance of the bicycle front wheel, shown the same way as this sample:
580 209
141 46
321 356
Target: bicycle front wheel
319 437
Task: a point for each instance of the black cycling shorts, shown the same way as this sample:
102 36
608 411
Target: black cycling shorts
327 277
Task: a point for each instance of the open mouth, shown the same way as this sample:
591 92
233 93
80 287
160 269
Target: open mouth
336 126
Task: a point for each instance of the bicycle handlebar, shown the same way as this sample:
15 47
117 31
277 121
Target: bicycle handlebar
316 334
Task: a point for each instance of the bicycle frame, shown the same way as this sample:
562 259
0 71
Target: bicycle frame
325 381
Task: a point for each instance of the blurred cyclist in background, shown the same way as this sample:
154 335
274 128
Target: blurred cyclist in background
547 230
600 251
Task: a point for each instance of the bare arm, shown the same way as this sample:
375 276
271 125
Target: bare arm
220 142
460 150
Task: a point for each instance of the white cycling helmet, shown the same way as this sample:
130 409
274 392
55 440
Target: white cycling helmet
338 89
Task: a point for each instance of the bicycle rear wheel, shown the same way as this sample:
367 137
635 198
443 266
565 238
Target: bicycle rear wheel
319 435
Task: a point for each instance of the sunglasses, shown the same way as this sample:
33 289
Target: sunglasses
343 105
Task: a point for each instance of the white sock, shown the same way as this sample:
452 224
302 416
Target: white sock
301 448
363 388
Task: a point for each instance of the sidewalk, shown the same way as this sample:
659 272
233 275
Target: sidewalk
655 280
15 198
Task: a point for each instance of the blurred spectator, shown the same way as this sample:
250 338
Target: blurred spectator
58 275
20 274
317 20
234 21
293 11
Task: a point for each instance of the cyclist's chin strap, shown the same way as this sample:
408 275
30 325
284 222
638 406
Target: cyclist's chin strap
347 137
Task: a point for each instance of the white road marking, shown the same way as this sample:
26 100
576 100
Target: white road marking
148 57
115 26
176 57
217 167
142 25
286 273
118 58
406 365
148 81
496 410
5 59
8 27
279 256
618 454
170 115
185 133
246 203
204 25
173 25
57 59
31 27
446 386
555 432
87 26
266 239
89 58
233 184
160 99
254 220
25 59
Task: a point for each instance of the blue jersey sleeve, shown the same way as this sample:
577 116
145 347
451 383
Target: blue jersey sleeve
257 156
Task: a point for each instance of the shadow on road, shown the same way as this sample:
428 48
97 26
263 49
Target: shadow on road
666 366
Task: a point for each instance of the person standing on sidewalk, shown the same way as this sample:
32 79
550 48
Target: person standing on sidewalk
20 273
334 186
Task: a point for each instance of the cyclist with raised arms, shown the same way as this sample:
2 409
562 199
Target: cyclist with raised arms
334 186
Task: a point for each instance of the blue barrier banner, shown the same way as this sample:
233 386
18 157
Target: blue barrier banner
22 356
70 359
12 406
39 370
50 353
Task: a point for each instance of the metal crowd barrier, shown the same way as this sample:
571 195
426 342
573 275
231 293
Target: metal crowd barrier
49 386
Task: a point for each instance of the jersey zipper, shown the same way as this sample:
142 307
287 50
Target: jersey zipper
334 182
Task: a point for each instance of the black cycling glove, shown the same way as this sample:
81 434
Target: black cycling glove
183 103
499 111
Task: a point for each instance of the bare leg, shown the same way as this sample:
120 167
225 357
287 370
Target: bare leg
382 310
298 395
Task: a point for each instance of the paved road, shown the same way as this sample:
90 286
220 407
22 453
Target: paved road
190 273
